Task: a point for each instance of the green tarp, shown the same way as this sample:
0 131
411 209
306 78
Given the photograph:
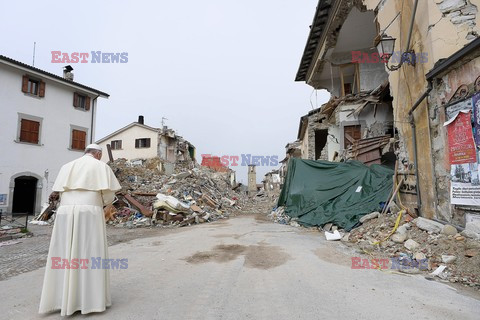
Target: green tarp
320 192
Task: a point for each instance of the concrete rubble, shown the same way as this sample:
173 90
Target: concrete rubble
421 239
192 194
149 197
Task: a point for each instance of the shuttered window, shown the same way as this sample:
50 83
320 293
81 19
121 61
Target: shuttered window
29 131
78 139
33 86
142 143
81 101
116 144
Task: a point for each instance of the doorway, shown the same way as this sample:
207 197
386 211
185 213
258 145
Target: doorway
24 195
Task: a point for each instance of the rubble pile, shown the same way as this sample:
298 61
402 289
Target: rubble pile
420 240
191 194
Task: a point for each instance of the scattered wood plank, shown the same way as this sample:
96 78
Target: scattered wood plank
145 211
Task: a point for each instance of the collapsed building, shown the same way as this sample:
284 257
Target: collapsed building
214 162
391 104
271 183
357 121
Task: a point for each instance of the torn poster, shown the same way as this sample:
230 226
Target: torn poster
454 109
461 146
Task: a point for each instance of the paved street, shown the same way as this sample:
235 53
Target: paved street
249 268
31 253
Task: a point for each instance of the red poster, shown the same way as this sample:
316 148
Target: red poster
460 140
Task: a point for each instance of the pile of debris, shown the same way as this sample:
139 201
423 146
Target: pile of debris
192 194
443 247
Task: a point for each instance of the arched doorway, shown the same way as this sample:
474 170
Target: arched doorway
24 194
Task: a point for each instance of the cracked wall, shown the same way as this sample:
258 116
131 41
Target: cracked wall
437 36
461 13
465 73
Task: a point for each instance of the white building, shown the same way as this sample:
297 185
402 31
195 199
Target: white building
139 141
133 141
46 122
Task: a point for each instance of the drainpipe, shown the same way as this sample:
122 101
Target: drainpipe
411 119
412 22
94 103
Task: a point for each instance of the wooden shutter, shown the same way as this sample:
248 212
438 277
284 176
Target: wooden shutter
75 100
87 103
41 90
137 143
25 84
78 139
29 131
147 143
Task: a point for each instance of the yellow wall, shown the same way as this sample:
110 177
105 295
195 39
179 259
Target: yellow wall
439 38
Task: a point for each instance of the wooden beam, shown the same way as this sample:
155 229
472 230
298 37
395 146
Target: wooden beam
110 155
342 83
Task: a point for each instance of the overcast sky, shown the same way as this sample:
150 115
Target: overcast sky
221 71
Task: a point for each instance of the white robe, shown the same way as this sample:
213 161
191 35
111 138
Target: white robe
86 185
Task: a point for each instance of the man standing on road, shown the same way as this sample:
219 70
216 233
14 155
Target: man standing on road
70 283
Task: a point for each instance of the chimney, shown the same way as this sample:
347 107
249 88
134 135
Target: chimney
140 119
67 73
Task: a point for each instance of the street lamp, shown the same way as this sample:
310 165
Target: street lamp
386 47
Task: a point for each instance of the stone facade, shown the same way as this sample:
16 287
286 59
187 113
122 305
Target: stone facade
465 73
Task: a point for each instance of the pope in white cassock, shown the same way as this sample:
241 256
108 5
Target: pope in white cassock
85 186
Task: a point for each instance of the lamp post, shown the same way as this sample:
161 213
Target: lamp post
386 47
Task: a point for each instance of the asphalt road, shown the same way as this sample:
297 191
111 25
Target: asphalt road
248 268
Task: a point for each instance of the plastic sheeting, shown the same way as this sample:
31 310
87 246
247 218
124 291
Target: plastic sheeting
321 192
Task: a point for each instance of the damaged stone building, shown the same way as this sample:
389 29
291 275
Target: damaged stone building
357 122
271 182
398 71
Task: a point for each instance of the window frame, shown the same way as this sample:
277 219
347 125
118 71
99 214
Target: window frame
23 116
113 144
30 86
27 86
138 143
70 141
81 101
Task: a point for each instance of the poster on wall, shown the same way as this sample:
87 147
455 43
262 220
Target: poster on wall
461 146
465 181
454 109
3 199
465 184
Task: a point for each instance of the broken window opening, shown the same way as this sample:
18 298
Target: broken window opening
350 78
320 142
